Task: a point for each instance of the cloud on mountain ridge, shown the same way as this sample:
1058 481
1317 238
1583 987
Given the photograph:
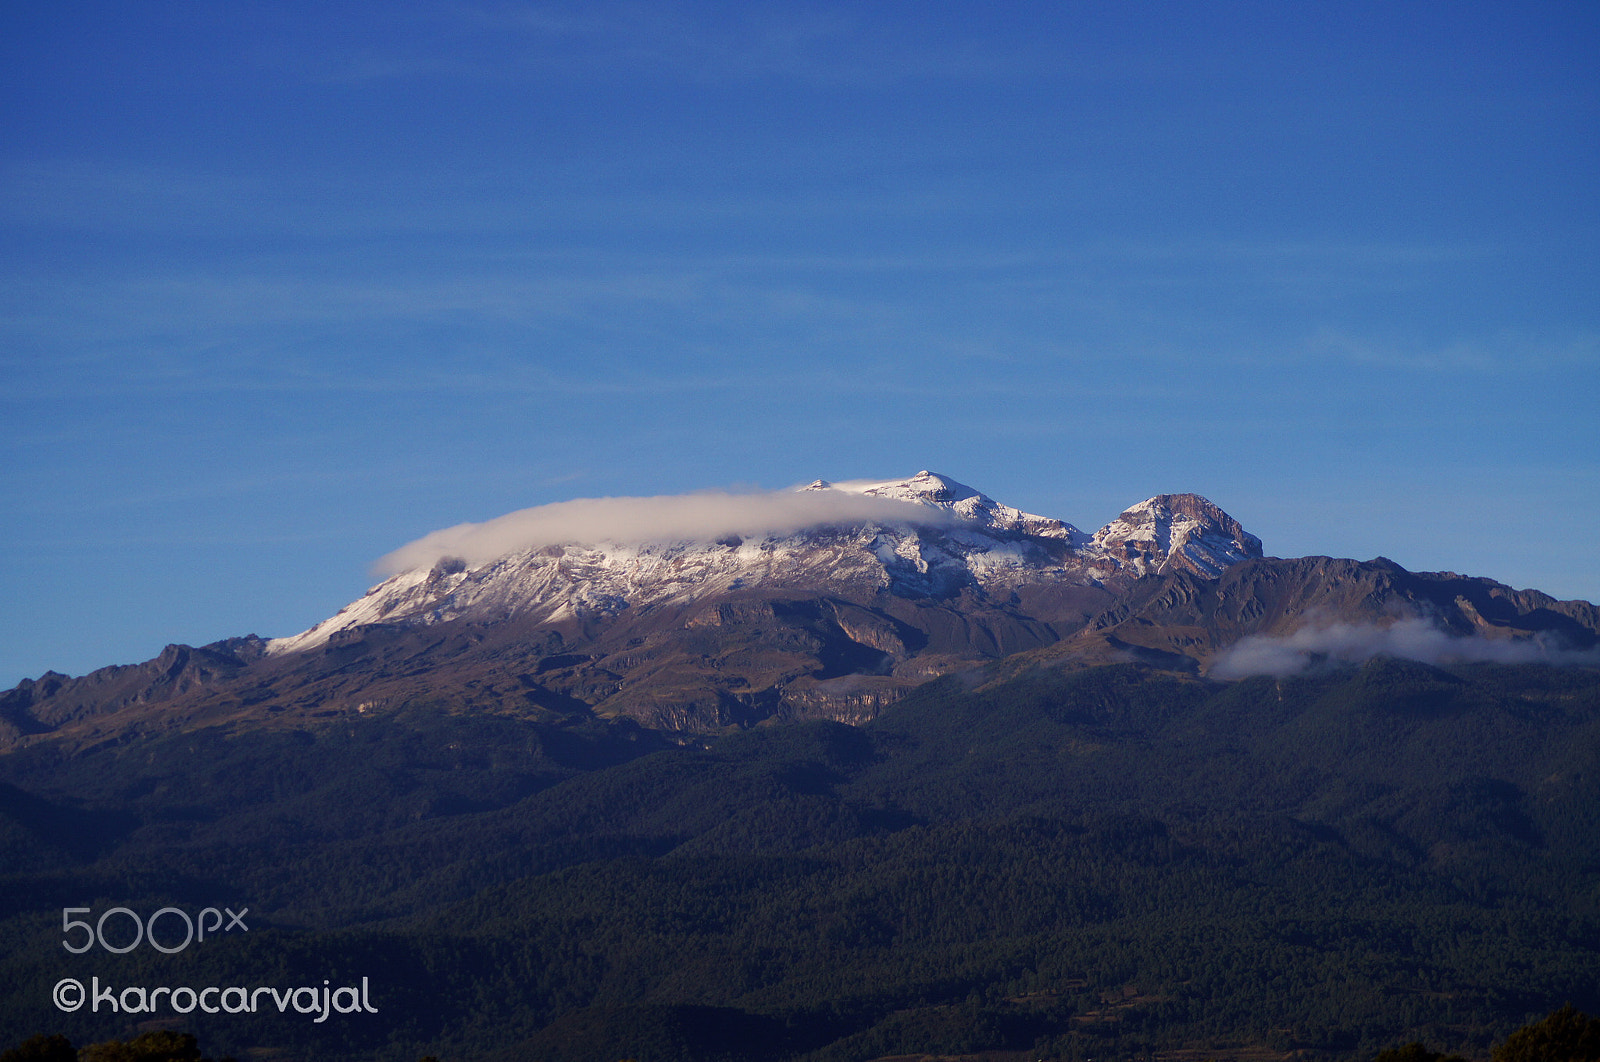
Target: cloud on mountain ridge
703 516
1407 639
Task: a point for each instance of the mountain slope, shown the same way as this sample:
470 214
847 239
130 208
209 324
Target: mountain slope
1311 603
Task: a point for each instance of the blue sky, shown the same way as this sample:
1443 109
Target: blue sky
284 286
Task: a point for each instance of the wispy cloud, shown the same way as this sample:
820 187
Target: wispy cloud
1502 352
1407 639
666 518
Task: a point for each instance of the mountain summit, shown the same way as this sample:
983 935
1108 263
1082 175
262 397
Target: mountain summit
1177 532
935 491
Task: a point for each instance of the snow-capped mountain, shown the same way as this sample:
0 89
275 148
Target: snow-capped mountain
1176 532
695 613
945 538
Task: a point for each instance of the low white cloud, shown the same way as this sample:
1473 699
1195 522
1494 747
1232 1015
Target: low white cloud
1408 639
668 518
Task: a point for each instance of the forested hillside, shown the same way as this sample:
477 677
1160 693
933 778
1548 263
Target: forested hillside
1098 863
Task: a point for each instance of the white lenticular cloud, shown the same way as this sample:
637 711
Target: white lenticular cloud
1409 639
667 518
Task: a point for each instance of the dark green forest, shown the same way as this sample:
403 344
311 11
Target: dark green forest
1109 863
